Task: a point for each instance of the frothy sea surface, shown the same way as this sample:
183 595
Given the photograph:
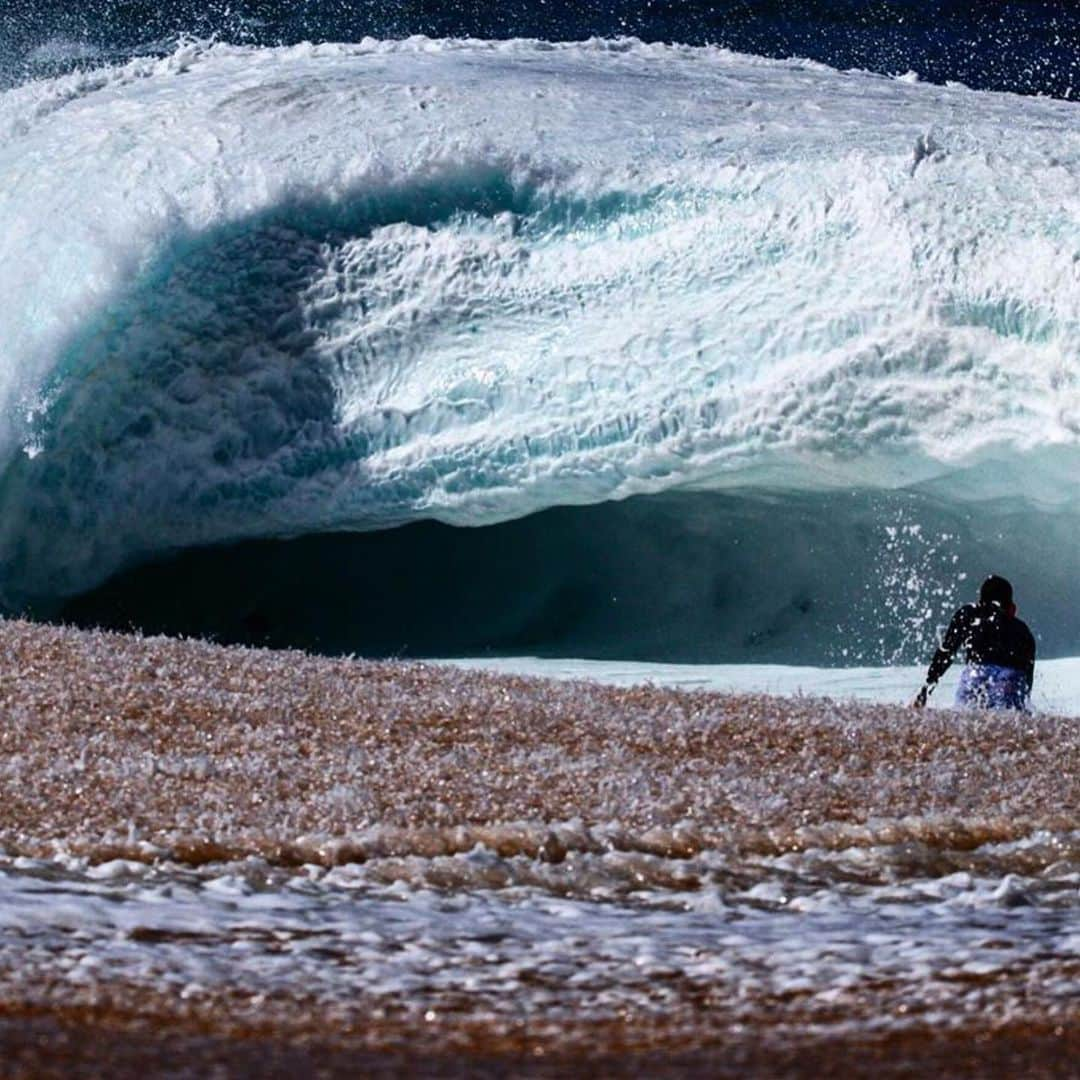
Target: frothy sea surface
808 935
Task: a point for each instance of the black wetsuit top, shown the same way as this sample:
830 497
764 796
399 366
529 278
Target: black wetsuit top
991 636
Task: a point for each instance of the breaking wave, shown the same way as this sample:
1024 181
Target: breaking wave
260 294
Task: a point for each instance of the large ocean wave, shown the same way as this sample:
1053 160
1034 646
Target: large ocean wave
268 293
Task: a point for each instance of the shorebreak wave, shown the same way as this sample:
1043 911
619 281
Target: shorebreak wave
270 293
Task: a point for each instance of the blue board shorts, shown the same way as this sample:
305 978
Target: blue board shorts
987 686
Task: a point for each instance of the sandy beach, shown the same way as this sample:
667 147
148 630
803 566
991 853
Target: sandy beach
191 748
124 757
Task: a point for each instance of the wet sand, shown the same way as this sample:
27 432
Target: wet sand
163 751
94 1043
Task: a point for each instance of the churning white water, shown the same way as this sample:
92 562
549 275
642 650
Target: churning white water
270 292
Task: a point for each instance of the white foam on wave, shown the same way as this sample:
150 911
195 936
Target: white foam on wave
268 292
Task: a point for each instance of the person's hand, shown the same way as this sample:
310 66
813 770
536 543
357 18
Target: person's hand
920 699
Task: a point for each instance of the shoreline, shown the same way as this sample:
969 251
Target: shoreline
203 751
123 756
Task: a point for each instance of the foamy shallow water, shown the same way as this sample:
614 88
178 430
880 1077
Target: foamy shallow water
1057 682
799 936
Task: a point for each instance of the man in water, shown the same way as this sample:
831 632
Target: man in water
1000 652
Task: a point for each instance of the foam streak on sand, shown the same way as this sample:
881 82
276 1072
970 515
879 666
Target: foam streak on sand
368 855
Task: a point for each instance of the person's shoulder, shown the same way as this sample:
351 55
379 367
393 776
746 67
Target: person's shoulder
960 627
1023 628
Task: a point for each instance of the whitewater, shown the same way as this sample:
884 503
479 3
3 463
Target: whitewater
257 293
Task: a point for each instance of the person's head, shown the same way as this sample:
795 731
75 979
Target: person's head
996 590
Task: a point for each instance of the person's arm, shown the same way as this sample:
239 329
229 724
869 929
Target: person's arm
1029 667
943 658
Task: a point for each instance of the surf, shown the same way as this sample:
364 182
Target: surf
263 295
